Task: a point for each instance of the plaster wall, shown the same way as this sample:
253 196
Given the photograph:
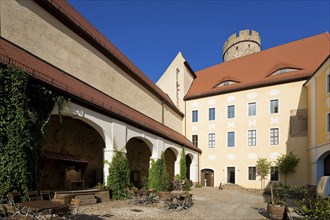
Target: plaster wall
291 96
318 136
29 26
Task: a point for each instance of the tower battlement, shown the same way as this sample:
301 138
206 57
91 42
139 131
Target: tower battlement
241 44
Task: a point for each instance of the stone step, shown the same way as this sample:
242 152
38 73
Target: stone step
86 199
232 187
87 202
85 196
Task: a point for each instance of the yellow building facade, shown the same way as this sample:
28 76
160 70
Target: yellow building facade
253 105
319 123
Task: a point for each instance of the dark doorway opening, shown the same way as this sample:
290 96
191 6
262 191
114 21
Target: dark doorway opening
327 166
231 175
188 163
138 155
170 162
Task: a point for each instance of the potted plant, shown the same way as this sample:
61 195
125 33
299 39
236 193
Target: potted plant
279 194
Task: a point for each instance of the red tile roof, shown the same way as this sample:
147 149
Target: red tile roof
253 70
82 92
63 11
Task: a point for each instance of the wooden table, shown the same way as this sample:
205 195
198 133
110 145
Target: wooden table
38 207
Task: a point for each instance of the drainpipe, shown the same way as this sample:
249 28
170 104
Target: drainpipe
163 111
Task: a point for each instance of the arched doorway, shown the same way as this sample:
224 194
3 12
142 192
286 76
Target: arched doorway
188 163
207 177
170 158
71 145
138 155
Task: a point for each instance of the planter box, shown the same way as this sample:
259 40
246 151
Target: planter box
276 211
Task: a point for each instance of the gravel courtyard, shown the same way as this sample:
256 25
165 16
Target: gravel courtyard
209 203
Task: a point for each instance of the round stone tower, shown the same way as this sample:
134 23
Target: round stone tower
238 45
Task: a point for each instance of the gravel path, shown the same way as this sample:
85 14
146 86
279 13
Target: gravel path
209 203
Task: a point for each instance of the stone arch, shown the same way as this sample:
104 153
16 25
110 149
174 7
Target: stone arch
323 168
189 158
207 177
73 144
138 155
170 155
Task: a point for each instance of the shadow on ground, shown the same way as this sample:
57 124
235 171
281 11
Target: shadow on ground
93 217
261 211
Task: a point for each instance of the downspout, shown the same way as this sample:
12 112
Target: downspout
163 117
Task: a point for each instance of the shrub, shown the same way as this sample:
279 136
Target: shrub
158 175
119 175
309 205
183 165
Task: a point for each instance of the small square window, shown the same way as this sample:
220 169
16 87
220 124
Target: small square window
195 116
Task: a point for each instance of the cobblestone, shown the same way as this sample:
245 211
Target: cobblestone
209 203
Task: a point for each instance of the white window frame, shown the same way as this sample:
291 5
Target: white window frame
228 139
278 137
228 111
192 116
255 138
248 109
248 173
213 140
192 139
213 114
278 106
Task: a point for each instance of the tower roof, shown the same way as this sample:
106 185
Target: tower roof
301 57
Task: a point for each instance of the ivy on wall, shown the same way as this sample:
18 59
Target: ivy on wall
25 108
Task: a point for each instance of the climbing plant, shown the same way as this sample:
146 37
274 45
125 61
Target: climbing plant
119 174
25 108
158 175
183 166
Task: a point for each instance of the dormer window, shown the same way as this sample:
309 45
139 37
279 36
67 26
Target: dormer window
226 83
283 70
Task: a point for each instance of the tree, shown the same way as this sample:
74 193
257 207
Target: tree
183 166
287 164
119 174
158 175
263 169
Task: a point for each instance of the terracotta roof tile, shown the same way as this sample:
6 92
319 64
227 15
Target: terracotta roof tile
253 70
13 55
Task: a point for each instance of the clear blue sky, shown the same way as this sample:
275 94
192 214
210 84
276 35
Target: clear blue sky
151 33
